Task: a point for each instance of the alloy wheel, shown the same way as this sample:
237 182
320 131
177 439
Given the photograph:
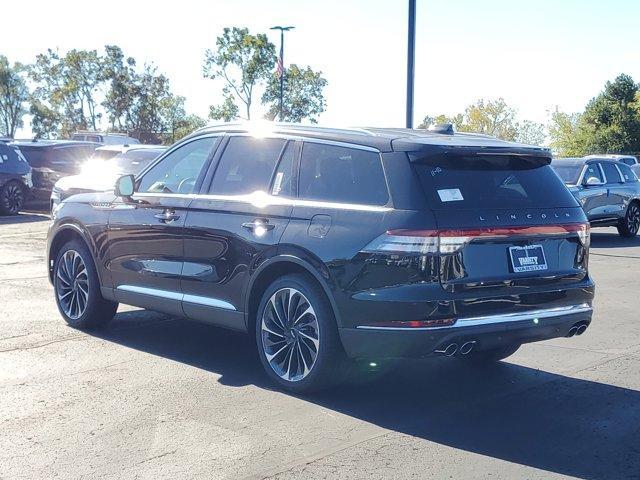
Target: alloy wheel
290 334
633 218
12 198
72 284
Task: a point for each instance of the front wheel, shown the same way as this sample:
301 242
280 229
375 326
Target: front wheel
297 336
11 198
77 288
629 225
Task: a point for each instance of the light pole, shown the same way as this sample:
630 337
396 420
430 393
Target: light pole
411 49
281 63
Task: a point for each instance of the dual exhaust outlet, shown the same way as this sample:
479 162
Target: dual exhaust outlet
453 349
577 329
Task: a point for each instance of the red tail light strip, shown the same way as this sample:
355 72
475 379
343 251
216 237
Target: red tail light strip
495 231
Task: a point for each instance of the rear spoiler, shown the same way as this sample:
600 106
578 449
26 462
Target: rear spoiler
428 150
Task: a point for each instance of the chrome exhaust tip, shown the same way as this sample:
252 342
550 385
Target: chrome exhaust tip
451 350
466 348
581 329
572 331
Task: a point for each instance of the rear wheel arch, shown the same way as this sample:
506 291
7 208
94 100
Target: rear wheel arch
273 269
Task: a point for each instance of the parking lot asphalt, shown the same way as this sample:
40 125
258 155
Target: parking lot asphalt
155 397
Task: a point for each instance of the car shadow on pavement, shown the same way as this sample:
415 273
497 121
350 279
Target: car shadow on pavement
23 217
612 240
517 414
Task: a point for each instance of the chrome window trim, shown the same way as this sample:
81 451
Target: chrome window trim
495 319
622 179
301 138
177 296
263 200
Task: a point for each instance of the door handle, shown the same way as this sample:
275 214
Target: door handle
167 217
258 224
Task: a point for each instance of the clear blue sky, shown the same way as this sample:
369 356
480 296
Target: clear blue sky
536 54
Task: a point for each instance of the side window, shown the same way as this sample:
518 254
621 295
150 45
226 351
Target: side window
246 165
611 172
282 184
178 171
592 171
341 174
627 174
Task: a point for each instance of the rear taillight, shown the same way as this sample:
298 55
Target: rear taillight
449 241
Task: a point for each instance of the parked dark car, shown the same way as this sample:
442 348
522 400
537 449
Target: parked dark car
608 191
104 138
335 244
53 159
15 179
100 175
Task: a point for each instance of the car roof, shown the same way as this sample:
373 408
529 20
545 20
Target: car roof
53 143
383 139
609 156
125 148
581 161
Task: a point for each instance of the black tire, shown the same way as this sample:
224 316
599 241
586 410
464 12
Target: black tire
325 370
96 311
628 226
491 356
11 198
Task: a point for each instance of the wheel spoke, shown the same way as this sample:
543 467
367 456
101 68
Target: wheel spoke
315 341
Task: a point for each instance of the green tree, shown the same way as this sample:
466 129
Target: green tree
178 123
610 122
493 117
303 95
530 133
612 118
66 90
227 111
243 61
568 135
13 96
121 77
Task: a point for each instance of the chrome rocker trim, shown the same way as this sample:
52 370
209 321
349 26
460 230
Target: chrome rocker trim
534 315
178 296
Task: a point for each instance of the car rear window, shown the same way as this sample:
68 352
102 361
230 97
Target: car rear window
341 174
473 182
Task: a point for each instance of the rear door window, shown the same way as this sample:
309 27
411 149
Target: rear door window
611 172
246 166
627 174
341 174
471 182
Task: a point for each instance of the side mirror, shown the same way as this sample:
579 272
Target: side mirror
125 186
593 181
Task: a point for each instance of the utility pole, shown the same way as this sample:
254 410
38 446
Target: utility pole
281 64
411 50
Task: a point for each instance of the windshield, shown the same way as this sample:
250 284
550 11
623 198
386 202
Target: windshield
134 161
568 173
471 182
103 154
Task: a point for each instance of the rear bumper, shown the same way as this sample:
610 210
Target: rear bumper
487 332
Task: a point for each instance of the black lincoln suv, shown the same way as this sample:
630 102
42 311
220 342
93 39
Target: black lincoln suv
327 245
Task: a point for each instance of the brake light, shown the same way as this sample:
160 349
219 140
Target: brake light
449 241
